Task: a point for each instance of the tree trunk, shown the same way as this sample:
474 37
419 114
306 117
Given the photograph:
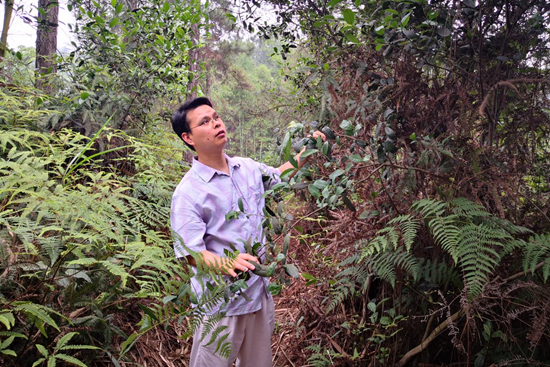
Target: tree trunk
46 41
193 63
8 9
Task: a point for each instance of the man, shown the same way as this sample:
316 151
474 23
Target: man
214 186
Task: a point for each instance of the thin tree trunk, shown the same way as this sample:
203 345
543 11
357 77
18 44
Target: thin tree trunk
193 62
46 41
8 9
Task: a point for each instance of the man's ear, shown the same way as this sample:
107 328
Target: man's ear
187 138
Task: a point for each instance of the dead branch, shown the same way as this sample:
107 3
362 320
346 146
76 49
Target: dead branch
419 348
510 84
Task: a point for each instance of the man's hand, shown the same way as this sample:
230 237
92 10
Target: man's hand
241 263
317 134
298 158
224 265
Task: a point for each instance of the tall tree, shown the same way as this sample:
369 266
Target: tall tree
8 9
46 40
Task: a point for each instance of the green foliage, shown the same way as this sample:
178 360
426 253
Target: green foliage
51 359
93 254
536 254
473 238
318 358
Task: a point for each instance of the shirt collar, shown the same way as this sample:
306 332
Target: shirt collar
206 172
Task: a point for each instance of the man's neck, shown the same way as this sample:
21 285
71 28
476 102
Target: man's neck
216 161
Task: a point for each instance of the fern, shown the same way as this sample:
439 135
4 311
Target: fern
443 227
409 228
383 263
476 241
318 359
478 254
438 272
537 250
61 345
40 314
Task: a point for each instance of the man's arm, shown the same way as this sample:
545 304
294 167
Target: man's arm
225 265
301 162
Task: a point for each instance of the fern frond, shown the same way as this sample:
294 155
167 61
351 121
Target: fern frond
38 311
438 272
70 359
537 250
468 209
477 255
446 234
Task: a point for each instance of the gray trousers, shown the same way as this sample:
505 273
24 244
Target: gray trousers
249 335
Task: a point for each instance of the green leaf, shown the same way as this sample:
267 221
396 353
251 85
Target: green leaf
274 288
73 347
286 145
70 359
128 344
293 162
336 174
371 306
309 277
86 261
38 362
114 22
166 7
113 3
351 37
8 352
314 191
39 312
292 270
349 16
347 126
299 186
241 206
65 339
286 243
19 55
6 343
42 350
405 20
308 152
332 3
116 270
7 319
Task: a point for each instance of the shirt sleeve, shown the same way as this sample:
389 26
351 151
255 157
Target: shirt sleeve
270 175
187 225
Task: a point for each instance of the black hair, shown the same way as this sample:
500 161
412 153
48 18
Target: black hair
180 124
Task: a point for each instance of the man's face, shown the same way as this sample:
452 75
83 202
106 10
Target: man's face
207 130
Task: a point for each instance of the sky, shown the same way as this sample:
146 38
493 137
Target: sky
22 33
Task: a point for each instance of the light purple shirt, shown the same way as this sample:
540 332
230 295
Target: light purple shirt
199 205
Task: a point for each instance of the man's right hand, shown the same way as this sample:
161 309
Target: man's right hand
226 265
